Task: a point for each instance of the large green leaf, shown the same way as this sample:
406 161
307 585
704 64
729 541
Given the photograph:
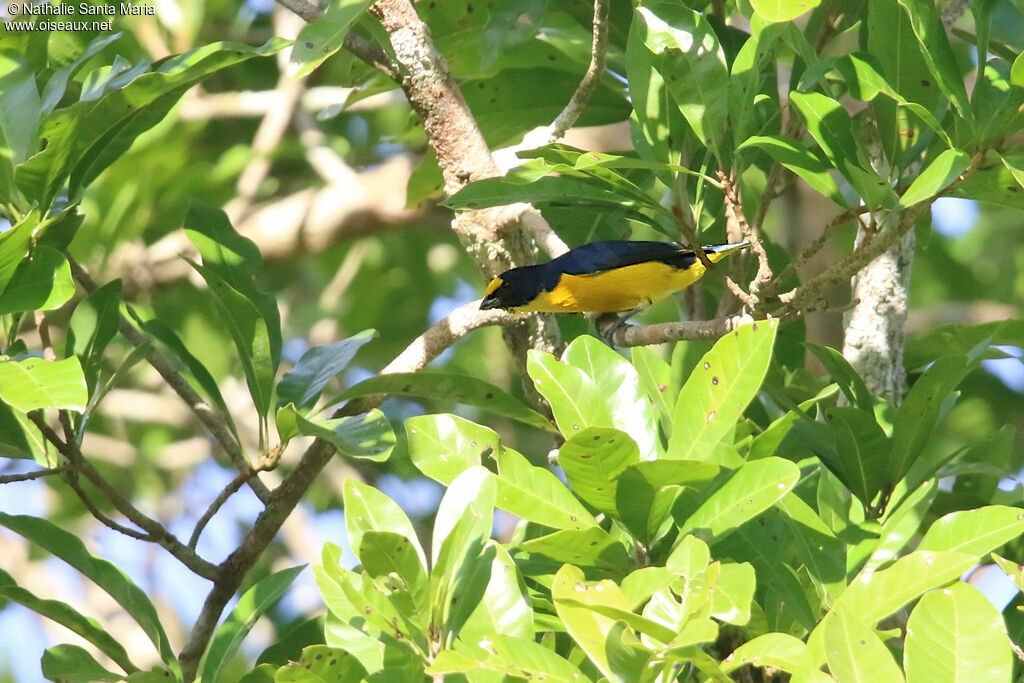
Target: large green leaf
36 384
916 418
939 175
391 557
367 509
783 10
251 334
19 105
537 495
367 436
573 600
442 446
303 383
575 399
320 39
461 549
41 283
442 385
320 664
618 381
862 451
646 491
753 488
593 459
68 617
719 389
800 160
693 66
592 547
253 604
937 53
975 532
14 246
854 652
113 581
86 137
955 634
74 664
506 608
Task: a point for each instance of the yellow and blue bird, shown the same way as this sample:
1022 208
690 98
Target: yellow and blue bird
602 277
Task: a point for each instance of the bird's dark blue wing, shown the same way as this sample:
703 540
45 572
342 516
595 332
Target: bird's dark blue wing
601 256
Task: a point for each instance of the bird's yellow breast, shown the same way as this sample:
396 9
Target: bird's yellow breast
616 290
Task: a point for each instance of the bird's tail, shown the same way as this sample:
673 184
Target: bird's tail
718 252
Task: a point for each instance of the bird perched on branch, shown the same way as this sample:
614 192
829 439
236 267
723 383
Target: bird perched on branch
602 277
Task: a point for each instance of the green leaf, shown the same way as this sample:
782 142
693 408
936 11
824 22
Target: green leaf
458 388
322 664
35 384
783 10
1017 71
236 259
318 365
854 652
368 436
253 604
536 494
510 656
88 136
955 634
655 377
690 59
844 375
916 418
937 53
800 160
561 190
574 397
94 323
734 593
631 411
462 550
862 450
443 446
162 332
367 509
14 246
73 663
41 283
975 532
320 39
391 556
753 488
590 547
776 650
830 125
574 600
250 333
19 105
645 491
593 459
108 577
56 85
68 617
719 389
506 608
939 175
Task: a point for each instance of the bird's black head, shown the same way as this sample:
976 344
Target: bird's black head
514 288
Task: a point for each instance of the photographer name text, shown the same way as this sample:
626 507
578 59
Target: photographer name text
123 9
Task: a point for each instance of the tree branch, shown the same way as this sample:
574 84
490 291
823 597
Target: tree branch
568 116
215 423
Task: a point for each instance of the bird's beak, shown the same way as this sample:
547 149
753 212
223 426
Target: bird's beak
489 302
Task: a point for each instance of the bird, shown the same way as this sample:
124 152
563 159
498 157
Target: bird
617 276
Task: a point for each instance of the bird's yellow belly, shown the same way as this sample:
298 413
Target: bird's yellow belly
615 291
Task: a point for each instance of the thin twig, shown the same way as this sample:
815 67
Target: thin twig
599 45
813 248
71 478
29 476
216 424
222 497
155 532
734 216
623 336
43 326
